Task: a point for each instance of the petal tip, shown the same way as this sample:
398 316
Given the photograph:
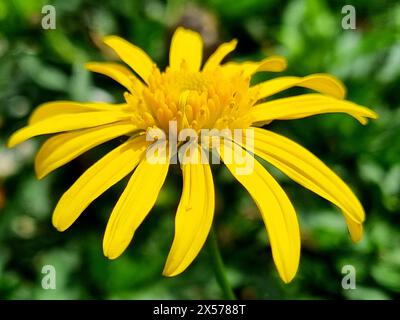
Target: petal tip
187 30
374 115
39 171
89 65
58 226
110 255
111 40
273 64
112 249
287 279
12 141
172 268
233 42
10 144
58 222
182 31
108 38
40 175
287 276
356 232
168 272
341 88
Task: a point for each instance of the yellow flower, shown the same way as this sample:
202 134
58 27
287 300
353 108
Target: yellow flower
216 96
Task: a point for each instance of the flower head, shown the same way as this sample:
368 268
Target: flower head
216 97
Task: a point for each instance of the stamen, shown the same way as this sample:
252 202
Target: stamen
210 99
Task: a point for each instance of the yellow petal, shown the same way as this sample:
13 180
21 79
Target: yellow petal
96 180
118 73
193 218
306 169
222 51
61 149
186 45
66 122
132 55
55 108
272 64
307 105
323 83
277 212
355 230
133 206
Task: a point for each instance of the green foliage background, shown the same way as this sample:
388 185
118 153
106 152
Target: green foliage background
39 65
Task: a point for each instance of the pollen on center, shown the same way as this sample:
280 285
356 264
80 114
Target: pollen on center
211 99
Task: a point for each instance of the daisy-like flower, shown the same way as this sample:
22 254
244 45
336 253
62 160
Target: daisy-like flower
213 96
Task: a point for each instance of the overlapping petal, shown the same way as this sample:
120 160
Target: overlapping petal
96 180
66 122
306 169
307 105
117 72
272 64
55 108
277 212
134 204
323 83
62 148
194 216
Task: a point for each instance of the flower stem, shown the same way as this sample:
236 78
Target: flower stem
218 265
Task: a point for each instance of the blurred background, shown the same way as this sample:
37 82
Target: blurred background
39 65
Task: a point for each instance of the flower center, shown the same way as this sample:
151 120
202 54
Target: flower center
198 100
